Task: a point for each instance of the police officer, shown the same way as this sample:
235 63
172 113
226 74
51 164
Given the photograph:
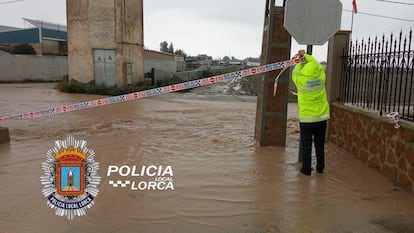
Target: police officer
309 77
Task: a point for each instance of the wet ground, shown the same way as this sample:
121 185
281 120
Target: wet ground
223 182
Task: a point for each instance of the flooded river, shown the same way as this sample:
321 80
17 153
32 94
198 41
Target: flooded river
222 181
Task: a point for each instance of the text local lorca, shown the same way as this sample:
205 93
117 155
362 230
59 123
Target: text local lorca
162 176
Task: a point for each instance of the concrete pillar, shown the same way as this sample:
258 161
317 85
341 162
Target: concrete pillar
337 44
336 47
4 135
271 112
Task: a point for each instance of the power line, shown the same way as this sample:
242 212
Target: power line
405 3
11 1
381 16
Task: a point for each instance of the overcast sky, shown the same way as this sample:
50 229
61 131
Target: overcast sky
221 27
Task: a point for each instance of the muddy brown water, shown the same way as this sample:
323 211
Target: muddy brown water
223 181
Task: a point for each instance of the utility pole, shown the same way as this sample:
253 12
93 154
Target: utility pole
271 113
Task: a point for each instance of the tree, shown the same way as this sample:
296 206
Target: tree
23 49
180 52
164 46
171 48
226 58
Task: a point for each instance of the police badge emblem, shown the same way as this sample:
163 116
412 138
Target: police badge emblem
70 177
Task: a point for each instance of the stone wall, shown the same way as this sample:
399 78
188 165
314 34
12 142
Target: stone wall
376 142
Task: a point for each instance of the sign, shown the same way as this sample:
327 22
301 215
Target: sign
313 22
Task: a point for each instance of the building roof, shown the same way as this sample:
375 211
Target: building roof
47 25
36 31
7 28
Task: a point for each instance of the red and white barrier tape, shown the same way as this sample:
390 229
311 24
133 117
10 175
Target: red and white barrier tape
295 59
152 92
394 118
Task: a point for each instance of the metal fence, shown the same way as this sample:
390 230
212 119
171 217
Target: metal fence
378 75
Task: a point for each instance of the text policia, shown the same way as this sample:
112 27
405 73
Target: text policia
151 177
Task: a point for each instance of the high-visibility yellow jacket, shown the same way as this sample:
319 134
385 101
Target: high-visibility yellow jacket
310 80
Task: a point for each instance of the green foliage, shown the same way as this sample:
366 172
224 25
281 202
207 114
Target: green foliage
180 52
213 72
207 73
74 86
23 49
169 81
164 46
171 48
226 59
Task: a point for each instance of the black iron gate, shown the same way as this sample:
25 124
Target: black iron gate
378 75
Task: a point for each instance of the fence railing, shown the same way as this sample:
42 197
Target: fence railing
378 75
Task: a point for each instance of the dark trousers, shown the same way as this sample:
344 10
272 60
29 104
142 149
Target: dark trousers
313 132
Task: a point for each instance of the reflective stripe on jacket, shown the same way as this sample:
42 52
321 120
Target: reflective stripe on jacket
310 81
